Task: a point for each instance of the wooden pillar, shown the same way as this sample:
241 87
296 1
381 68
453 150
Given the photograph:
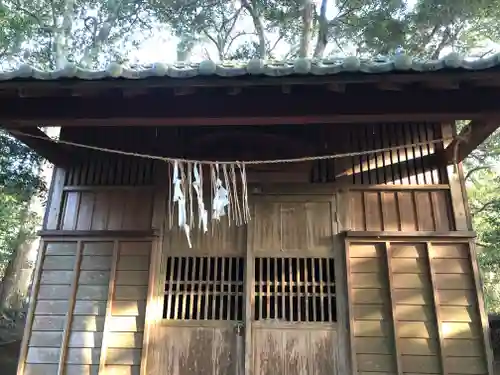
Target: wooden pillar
55 203
458 193
157 270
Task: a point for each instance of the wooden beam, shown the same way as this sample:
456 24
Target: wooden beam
161 107
490 76
39 142
416 235
19 124
471 136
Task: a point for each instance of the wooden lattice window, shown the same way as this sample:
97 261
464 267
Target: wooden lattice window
295 289
204 288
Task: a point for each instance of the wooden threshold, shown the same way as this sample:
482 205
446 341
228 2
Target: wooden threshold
412 234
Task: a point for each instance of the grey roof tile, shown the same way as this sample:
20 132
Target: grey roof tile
351 64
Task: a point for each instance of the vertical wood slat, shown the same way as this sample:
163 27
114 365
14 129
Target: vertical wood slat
37 275
480 304
71 306
55 204
276 283
290 295
437 311
390 278
230 302
109 306
249 297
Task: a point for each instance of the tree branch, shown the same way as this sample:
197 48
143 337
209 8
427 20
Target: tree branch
483 207
475 169
322 41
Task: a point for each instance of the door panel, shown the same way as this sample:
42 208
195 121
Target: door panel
293 322
195 350
297 226
294 350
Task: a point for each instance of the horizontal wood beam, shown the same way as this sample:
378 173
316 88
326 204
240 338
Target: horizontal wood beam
255 106
39 142
418 234
259 121
471 136
99 234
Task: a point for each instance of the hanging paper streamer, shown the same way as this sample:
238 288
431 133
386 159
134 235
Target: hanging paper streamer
188 177
198 187
220 197
180 198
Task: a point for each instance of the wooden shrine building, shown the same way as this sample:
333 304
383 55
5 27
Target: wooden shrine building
362 263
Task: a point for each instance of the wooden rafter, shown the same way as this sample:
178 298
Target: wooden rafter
38 141
471 136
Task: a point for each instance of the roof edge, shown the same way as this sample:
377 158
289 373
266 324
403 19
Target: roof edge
257 67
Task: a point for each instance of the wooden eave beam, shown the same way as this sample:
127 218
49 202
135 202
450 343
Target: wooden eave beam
39 142
492 77
268 106
471 136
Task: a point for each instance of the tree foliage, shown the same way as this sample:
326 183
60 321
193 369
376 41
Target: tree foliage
19 181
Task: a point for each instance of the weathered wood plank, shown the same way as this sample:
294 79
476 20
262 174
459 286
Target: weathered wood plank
110 294
55 204
69 314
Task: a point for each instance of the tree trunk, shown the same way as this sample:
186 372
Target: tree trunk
259 28
307 17
15 282
17 278
184 49
322 41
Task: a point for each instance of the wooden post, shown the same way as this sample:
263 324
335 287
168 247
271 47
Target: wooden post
54 208
338 214
354 365
37 275
157 270
457 186
109 307
390 278
71 306
249 294
481 307
437 310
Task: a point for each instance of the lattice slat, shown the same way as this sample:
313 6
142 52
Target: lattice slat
295 289
204 288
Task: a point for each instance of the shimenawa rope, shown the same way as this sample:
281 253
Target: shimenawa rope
460 138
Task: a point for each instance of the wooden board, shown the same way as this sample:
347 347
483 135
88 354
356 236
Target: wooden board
435 310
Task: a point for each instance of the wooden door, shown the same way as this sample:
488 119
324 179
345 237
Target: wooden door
201 332
291 272
259 299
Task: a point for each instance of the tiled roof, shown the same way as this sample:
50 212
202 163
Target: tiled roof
397 63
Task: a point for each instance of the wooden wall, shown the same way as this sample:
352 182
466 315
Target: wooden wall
108 206
414 307
90 306
401 209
